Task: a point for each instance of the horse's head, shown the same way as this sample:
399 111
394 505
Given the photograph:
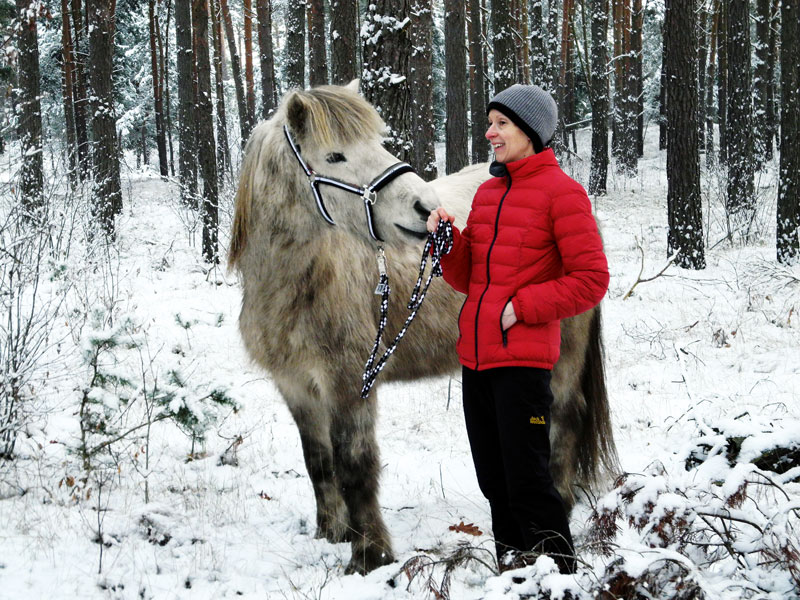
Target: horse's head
339 136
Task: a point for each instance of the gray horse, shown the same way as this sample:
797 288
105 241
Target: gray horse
309 314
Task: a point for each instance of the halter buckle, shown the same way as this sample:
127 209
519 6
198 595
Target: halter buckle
370 196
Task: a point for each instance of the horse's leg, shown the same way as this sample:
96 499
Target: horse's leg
313 420
358 468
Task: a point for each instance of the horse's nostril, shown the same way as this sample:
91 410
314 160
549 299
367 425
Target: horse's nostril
421 210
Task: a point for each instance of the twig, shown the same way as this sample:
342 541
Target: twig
641 270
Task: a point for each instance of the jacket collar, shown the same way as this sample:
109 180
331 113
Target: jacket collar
525 166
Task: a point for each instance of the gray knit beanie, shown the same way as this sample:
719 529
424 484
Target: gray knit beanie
531 109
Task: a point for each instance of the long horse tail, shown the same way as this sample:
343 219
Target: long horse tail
244 195
598 456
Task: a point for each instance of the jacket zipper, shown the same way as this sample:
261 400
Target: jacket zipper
504 332
488 273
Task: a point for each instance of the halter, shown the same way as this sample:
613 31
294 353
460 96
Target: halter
369 192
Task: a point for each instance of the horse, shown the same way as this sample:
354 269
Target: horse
306 257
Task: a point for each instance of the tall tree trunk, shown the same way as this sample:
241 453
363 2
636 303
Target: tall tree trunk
248 64
685 237
703 30
223 149
269 94
386 54
420 79
539 74
764 128
788 215
505 63
344 41
68 69
107 193
722 80
773 109
158 102
317 61
81 99
456 127
599 97
477 98
710 79
205 132
637 75
187 141
553 63
295 52
163 51
29 108
245 124
741 194
566 95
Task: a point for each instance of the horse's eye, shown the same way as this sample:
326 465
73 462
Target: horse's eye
335 157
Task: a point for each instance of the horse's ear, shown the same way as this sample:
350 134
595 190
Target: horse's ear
353 85
297 113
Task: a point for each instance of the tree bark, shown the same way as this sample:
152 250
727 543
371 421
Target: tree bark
68 69
456 127
386 61
539 74
722 80
245 124
788 215
163 49
317 60
187 141
710 79
741 195
107 192
29 109
477 97
420 78
158 101
344 41
81 99
599 96
637 75
223 148
685 237
505 64
205 132
248 64
295 52
763 116
269 94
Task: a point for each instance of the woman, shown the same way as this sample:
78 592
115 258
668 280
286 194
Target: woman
529 256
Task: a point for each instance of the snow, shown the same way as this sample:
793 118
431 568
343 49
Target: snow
692 358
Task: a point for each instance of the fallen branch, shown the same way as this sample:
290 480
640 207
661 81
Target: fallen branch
641 270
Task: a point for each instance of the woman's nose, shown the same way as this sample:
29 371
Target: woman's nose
490 133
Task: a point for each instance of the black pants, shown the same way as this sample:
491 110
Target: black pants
507 412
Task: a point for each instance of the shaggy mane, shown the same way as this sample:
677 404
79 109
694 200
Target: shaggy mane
333 116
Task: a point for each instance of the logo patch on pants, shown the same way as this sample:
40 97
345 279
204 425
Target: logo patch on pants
537 421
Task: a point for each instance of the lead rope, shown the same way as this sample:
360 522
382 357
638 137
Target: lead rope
441 242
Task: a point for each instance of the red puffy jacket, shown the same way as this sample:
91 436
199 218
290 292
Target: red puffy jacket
530 238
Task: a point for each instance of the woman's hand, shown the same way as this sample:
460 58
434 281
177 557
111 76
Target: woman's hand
509 317
437 215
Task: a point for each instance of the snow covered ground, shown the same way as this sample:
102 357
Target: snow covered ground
691 357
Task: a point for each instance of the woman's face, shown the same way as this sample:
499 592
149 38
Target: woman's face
508 141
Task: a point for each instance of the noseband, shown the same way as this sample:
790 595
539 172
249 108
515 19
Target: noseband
369 192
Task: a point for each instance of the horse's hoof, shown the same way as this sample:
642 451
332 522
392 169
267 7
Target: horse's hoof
335 535
368 560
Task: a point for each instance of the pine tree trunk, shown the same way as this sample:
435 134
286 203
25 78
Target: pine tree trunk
505 64
599 97
565 96
158 102
763 127
163 51
248 64
29 108
269 94
456 127
477 98
81 99
107 193
553 46
685 237
223 148
236 67
710 79
187 141
344 41
539 74
788 215
317 60
68 69
204 113
420 79
386 61
295 51
722 80
741 195
703 29
637 91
